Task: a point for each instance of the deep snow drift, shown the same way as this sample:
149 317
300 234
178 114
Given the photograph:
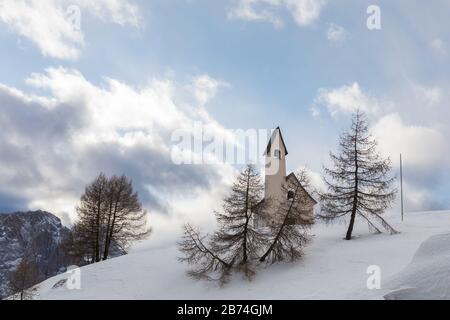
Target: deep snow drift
428 275
331 268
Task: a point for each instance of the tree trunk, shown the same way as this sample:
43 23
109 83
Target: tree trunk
105 251
109 232
264 257
111 224
354 209
97 231
245 255
355 196
350 227
109 238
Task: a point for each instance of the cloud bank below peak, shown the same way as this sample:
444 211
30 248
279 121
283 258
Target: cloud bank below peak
54 145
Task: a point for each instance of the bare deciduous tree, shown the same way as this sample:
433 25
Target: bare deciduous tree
91 215
78 244
237 239
197 253
237 243
22 280
125 220
359 183
109 214
289 234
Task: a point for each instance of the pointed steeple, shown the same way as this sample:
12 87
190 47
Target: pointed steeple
276 133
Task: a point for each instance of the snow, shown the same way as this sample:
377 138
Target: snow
427 275
331 269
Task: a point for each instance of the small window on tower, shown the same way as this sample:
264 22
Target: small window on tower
291 195
277 154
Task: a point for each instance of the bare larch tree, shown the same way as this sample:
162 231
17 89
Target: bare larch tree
109 214
237 243
91 214
22 280
289 235
359 184
237 239
78 244
125 220
198 251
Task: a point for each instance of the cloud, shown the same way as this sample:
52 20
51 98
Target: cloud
422 146
246 10
304 12
53 145
121 12
10 203
336 33
316 180
52 25
430 96
425 153
438 46
344 100
206 88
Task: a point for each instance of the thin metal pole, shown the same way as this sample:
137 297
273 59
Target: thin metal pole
401 184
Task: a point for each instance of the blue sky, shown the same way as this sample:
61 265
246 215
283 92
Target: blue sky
266 63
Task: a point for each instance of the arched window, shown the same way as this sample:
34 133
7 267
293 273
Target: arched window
277 154
291 195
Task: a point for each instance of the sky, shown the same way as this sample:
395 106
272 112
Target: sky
101 86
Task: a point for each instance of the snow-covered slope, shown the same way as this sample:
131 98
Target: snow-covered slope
331 269
428 275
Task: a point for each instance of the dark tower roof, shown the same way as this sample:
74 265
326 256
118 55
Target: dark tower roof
269 146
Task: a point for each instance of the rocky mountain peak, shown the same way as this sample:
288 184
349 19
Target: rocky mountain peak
38 233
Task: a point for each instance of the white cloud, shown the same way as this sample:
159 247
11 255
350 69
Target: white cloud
423 147
53 145
336 33
426 159
246 10
422 141
205 88
47 24
122 12
304 12
316 180
344 100
417 199
429 96
118 107
438 46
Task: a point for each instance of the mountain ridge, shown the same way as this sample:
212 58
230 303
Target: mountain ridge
39 233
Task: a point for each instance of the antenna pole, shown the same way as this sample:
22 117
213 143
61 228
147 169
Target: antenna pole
401 184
